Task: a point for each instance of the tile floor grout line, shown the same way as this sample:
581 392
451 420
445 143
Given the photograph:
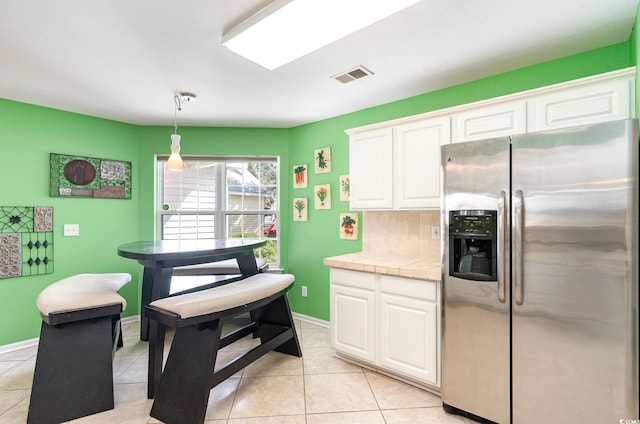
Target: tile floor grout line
324 364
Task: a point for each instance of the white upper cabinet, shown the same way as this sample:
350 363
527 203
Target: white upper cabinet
590 104
495 120
416 162
396 164
398 167
370 169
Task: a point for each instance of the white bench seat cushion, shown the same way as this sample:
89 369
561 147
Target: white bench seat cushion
82 291
228 296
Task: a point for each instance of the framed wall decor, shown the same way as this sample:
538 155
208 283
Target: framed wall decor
300 209
322 159
300 176
26 241
345 188
322 196
80 176
349 226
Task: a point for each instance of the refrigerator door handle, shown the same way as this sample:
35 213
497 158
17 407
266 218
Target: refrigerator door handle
518 210
502 200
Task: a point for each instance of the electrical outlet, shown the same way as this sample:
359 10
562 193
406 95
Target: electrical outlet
304 291
71 230
435 231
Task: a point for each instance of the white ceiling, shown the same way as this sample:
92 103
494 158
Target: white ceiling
124 59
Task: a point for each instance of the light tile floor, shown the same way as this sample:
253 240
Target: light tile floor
277 389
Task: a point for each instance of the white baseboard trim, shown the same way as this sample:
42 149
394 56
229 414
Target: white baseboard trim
312 320
34 342
132 318
135 318
19 345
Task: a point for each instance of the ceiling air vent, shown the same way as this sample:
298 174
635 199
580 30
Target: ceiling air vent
353 74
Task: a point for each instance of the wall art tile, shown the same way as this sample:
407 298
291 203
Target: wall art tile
300 176
349 226
26 241
300 209
345 188
322 196
80 176
322 158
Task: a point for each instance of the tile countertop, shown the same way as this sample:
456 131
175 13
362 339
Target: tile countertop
410 267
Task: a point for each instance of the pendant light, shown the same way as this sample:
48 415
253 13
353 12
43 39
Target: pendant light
175 163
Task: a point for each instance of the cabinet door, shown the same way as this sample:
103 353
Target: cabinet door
416 172
370 167
352 321
590 104
496 120
408 337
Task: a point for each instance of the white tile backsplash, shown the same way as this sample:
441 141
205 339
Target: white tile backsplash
402 233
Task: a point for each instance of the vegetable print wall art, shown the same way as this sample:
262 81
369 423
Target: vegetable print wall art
300 176
300 208
322 196
323 160
349 226
345 188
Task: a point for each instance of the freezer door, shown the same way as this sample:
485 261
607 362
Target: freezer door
475 324
575 275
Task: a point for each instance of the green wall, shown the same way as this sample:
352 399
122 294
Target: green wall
635 53
29 133
310 242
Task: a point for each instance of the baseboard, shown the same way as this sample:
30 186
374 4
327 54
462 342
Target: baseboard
135 318
19 345
132 318
311 320
34 342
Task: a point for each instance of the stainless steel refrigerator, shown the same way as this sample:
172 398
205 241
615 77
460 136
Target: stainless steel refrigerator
540 276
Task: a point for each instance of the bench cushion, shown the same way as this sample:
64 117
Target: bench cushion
225 297
82 291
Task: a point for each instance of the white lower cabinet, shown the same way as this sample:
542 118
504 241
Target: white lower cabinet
388 323
408 320
354 309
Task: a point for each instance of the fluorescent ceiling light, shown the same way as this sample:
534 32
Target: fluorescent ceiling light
288 29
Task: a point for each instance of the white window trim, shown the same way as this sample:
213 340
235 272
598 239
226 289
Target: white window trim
221 214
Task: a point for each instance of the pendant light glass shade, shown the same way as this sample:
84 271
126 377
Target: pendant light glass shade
175 163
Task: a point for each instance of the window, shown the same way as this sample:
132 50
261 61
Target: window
221 197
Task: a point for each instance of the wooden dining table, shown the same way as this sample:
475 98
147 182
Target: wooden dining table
160 257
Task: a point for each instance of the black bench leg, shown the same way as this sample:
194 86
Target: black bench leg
277 313
182 393
156 355
74 371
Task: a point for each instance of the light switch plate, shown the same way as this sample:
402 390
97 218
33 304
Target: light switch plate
435 231
71 230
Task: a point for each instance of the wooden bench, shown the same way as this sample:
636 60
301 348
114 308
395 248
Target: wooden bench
79 335
182 389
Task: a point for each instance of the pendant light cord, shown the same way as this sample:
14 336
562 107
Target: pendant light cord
176 100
